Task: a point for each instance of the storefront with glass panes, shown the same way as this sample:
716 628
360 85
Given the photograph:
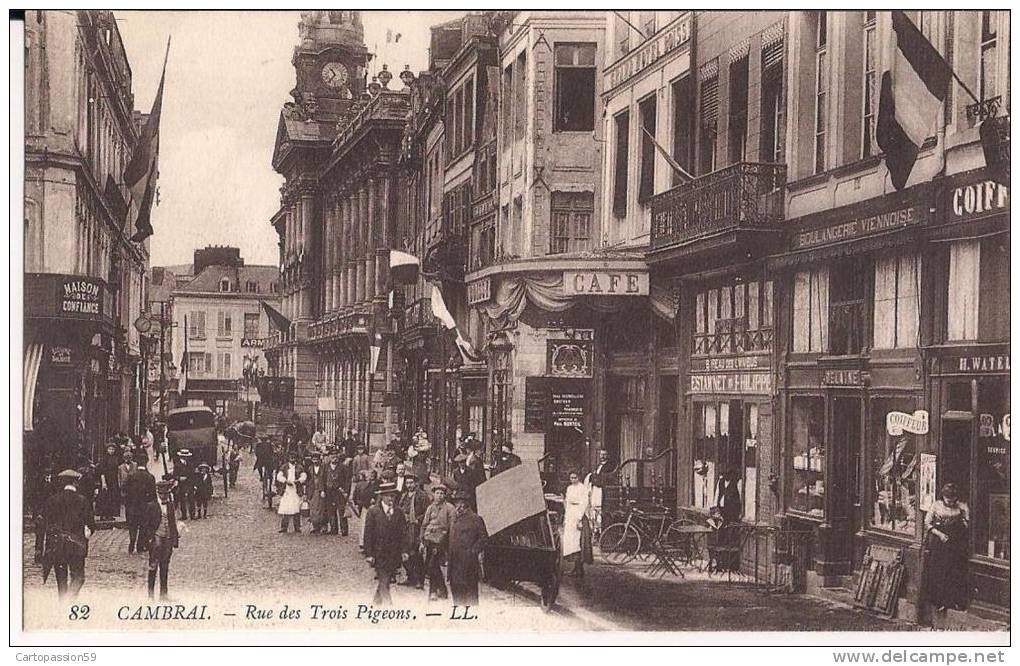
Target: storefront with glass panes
853 420
970 361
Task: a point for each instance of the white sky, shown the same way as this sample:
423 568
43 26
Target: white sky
228 76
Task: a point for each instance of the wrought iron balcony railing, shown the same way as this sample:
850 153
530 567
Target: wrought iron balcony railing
742 196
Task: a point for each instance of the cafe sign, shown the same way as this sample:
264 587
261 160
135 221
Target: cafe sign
605 283
897 423
80 296
663 43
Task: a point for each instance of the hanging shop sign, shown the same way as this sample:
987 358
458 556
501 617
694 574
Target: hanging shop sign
755 383
253 343
479 291
897 423
605 283
664 42
566 409
570 358
80 297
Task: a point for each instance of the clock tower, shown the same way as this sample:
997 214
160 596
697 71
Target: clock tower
330 63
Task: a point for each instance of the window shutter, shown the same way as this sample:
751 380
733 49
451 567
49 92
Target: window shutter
772 46
208 362
710 101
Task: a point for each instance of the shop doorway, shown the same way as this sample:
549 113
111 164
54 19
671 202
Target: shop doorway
845 470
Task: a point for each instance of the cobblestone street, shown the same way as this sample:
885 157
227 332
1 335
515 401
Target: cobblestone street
237 554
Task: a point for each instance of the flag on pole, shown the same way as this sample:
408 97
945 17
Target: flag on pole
665 153
281 323
913 91
442 313
142 171
404 267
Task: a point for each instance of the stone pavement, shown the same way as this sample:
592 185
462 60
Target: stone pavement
236 553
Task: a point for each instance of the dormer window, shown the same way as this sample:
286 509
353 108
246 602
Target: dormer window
251 287
225 284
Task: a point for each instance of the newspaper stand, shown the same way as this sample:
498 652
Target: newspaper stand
523 546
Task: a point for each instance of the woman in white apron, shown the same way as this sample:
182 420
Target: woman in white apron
290 482
575 523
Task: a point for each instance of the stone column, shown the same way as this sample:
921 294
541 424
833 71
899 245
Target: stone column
307 204
374 219
349 251
359 243
325 274
382 269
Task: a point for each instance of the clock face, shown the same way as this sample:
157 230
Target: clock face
334 75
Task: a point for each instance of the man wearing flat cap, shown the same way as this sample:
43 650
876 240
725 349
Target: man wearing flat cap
435 538
67 525
413 503
160 528
385 541
467 545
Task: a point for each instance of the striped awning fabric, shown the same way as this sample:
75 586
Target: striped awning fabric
33 360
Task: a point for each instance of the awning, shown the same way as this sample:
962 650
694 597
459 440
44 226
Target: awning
33 359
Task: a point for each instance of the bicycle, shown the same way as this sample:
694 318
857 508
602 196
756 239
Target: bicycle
640 533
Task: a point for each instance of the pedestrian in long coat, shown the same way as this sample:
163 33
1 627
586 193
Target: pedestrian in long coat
184 491
336 483
413 504
108 502
67 523
467 545
386 545
290 482
315 492
139 489
128 465
161 535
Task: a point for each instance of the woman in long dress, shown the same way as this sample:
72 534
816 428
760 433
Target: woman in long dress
945 530
290 480
108 501
575 506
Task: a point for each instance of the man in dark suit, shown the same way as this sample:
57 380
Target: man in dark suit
386 546
413 504
161 536
67 523
336 482
467 545
139 489
468 475
507 459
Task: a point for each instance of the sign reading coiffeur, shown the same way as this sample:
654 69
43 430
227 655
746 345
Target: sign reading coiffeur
605 283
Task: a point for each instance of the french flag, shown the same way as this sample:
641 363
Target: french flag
913 90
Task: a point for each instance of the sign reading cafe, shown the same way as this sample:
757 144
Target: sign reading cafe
605 283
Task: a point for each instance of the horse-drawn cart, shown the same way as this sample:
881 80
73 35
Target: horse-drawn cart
523 546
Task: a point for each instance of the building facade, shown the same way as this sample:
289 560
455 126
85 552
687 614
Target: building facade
888 338
84 279
218 311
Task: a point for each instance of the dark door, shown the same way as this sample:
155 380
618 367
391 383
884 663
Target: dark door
845 477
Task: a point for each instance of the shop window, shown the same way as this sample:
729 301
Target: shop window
807 428
737 131
720 438
990 513
571 222
897 302
734 318
709 124
575 88
810 310
683 125
894 470
621 168
647 111
848 307
869 101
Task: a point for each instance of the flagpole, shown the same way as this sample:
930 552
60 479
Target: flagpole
669 158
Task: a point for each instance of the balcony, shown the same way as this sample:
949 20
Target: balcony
416 323
338 326
718 209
